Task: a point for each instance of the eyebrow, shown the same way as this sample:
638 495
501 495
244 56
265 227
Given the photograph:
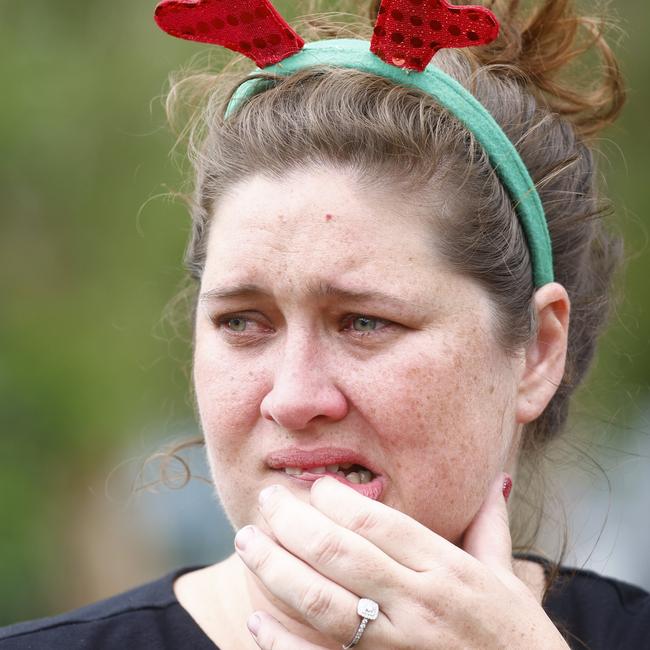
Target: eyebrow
313 290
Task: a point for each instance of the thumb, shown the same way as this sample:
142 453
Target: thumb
488 536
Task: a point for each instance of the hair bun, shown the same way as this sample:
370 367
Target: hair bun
564 59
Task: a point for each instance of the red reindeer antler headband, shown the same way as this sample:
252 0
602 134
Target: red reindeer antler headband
407 34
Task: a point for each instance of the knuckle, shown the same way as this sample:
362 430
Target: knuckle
327 548
363 522
315 602
460 574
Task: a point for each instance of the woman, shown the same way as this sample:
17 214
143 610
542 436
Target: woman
385 330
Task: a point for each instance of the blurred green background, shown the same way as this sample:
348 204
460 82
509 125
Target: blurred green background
91 379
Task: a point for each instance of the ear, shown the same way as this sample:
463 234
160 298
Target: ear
546 354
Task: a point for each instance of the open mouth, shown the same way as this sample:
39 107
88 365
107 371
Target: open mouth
303 467
351 472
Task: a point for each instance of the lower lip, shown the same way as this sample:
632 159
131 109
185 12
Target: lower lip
371 490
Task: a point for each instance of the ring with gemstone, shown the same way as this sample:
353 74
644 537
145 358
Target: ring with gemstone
368 610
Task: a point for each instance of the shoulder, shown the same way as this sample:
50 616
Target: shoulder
599 612
148 616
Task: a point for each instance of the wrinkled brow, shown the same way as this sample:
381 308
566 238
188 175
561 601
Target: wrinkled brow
317 290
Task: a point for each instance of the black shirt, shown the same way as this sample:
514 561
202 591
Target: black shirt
593 612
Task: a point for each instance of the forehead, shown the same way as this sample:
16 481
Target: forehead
318 225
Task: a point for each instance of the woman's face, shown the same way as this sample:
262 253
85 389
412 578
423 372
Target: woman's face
330 333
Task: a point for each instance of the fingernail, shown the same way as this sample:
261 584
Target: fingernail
507 486
266 493
244 536
253 624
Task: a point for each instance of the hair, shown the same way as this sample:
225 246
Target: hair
391 136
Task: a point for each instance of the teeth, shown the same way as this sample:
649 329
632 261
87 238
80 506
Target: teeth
361 476
365 476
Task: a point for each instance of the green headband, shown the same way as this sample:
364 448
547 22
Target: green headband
506 161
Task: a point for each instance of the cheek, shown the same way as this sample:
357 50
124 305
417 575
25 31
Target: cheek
441 420
451 402
228 398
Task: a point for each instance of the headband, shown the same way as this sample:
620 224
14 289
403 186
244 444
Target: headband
406 36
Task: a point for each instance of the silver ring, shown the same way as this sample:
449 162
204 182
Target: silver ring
369 611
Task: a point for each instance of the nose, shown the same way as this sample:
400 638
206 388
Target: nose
303 389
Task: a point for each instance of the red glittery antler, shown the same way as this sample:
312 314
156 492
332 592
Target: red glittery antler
252 27
409 32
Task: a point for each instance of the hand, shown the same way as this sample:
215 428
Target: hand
431 594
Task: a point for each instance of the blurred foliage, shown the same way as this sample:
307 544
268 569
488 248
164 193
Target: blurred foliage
89 263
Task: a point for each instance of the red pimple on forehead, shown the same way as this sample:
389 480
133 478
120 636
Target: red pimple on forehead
329 217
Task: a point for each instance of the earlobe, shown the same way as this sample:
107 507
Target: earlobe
546 354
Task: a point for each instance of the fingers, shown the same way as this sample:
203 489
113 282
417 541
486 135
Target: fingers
399 536
324 605
333 551
488 536
269 634
321 557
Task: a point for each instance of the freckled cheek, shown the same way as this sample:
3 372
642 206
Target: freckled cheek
437 423
427 405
